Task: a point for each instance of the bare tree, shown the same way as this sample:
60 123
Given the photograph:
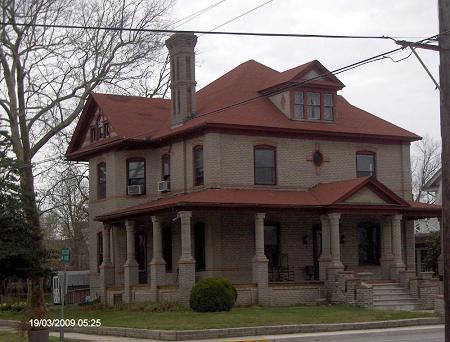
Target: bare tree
48 72
425 162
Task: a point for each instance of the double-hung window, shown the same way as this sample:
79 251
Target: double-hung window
298 105
313 105
136 173
328 114
198 165
101 180
265 165
365 164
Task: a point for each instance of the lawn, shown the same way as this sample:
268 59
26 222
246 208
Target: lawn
139 317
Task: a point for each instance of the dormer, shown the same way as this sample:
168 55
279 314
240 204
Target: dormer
306 93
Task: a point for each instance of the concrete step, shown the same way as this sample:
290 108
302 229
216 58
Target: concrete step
399 307
392 296
395 301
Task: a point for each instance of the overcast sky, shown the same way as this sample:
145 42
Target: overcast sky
399 92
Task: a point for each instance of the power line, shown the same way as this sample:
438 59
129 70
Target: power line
241 15
196 14
254 34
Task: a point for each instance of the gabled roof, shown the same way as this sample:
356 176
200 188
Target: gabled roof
225 103
324 196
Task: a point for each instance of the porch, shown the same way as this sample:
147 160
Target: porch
274 251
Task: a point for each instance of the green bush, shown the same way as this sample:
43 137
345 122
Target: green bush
213 294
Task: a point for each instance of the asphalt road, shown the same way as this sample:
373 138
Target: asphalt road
413 334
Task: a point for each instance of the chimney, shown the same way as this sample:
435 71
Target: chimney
182 76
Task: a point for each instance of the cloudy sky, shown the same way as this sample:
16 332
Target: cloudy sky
400 92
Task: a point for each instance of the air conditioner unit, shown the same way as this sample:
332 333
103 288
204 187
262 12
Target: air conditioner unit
164 186
135 190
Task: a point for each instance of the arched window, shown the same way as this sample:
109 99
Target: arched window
101 180
265 165
165 167
365 164
198 165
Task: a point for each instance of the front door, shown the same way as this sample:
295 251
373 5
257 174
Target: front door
317 249
140 241
369 243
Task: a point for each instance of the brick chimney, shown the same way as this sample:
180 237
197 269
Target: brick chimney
182 76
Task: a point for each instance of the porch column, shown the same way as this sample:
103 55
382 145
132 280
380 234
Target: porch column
260 262
325 256
397 263
441 256
186 263
157 265
130 266
106 268
386 249
336 264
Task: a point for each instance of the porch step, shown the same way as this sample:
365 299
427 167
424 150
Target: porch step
392 296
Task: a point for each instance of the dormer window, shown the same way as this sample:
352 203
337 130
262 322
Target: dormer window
313 105
100 130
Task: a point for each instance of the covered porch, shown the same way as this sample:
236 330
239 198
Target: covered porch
275 251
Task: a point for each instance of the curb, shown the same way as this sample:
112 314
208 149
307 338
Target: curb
180 335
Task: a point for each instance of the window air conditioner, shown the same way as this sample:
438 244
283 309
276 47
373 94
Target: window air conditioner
135 190
164 186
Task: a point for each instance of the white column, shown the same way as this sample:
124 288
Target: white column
397 264
386 257
157 265
334 219
260 262
325 256
106 268
186 263
131 266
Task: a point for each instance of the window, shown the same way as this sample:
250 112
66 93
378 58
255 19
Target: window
265 165
99 250
165 162
189 100
198 165
369 243
136 173
365 164
199 246
188 67
328 114
100 129
101 180
313 106
298 105
167 247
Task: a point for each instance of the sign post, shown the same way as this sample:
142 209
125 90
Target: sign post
64 257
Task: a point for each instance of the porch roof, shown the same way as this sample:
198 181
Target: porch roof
322 197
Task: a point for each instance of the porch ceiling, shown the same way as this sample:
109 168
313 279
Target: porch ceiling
322 197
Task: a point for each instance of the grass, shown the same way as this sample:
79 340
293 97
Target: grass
182 319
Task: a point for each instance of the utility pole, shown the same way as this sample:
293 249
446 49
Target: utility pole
444 80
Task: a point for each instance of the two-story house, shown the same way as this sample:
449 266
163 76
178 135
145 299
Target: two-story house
270 179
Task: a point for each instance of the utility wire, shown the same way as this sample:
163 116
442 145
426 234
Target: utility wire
239 16
257 34
194 15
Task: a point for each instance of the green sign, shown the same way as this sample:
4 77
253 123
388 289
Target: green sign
64 256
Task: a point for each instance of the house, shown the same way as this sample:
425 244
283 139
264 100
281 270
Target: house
270 179
426 226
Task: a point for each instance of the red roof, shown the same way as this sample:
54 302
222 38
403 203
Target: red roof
322 196
220 104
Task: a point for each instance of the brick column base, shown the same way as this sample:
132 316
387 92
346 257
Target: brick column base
130 279
186 280
261 278
106 279
395 270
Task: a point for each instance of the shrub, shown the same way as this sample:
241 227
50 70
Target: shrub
213 294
